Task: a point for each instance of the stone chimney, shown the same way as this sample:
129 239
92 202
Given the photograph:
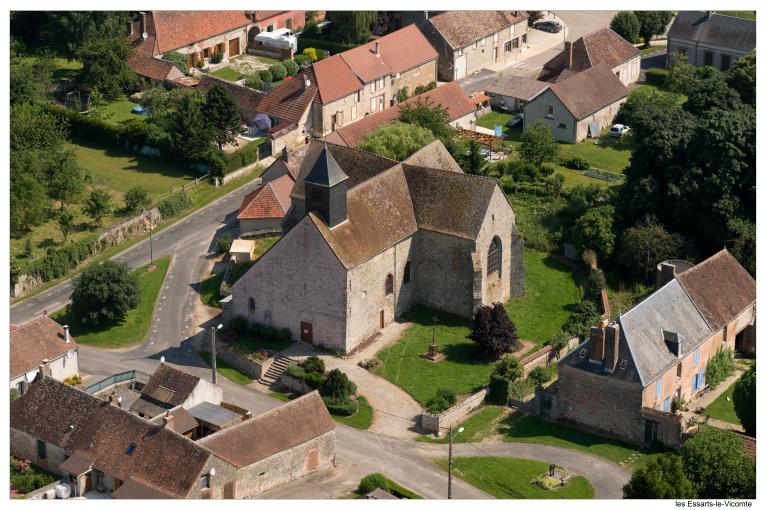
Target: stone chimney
284 155
612 335
168 421
378 49
66 334
596 345
666 272
568 54
45 368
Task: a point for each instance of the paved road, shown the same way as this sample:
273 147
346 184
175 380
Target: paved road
186 236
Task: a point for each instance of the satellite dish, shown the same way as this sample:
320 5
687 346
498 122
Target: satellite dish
162 359
144 35
308 83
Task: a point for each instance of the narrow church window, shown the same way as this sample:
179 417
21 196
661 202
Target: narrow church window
406 277
251 304
389 284
494 258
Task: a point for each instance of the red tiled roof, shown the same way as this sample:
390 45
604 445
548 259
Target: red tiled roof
142 59
35 341
335 78
589 91
461 28
272 200
289 101
175 29
603 46
450 96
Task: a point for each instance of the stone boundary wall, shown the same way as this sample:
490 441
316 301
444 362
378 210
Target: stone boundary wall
229 353
544 356
245 170
434 423
289 382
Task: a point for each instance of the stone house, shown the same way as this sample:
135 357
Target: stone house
263 209
345 87
96 446
710 39
582 105
41 345
169 388
367 238
459 107
514 92
624 379
468 41
602 46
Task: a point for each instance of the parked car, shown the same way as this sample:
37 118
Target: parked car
619 130
516 120
549 26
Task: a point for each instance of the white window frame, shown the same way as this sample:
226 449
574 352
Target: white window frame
382 83
549 108
373 104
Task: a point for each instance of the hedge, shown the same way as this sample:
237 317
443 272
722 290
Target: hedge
576 163
656 76
498 392
57 262
174 205
89 127
340 407
243 157
332 47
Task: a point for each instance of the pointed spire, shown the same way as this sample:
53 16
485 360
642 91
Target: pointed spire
326 170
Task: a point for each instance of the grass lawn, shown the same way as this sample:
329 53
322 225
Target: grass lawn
227 73
223 368
604 153
118 112
461 371
551 293
494 118
394 488
723 409
62 68
739 14
509 478
645 87
655 48
521 428
134 327
478 427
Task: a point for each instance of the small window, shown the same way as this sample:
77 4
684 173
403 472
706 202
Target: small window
494 258
549 111
373 86
507 46
679 370
354 112
373 104
562 125
484 39
495 37
708 58
131 448
406 276
251 304
695 358
659 388
206 53
270 28
724 62
524 38
382 83
515 43
358 96
42 453
389 284
205 481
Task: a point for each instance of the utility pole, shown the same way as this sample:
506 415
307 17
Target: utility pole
151 250
450 460
213 349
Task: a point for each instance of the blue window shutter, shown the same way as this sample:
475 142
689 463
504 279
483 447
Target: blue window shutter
694 382
666 404
702 378
695 358
659 388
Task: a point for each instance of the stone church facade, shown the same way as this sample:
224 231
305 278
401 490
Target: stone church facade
368 238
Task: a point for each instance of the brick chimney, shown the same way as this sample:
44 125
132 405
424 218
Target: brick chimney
168 421
66 334
568 54
378 49
612 335
596 345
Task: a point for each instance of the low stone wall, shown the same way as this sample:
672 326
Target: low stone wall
242 171
294 385
131 227
544 356
435 423
229 353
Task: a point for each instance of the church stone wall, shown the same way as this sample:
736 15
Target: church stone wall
499 220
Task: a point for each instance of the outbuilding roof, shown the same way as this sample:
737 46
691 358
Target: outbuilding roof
518 87
715 29
31 343
176 29
589 91
272 200
170 385
461 28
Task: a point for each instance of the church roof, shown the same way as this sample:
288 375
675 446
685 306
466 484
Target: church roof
326 171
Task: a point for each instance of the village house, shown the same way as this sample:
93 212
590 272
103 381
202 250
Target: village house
367 238
101 449
624 379
582 105
345 87
601 47
468 41
710 39
170 387
459 107
512 93
41 345
263 209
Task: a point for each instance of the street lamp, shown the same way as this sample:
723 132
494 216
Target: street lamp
213 349
450 460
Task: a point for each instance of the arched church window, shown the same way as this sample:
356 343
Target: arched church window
494 258
389 284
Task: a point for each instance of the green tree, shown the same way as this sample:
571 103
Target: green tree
28 203
493 331
396 140
66 221
538 145
509 368
744 400
98 205
682 77
642 246
742 242
742 78
582 319
337 385
156 101
354 27
431 116
191 135
652 23
714 459
594 230
533 17
371 482
29 82
662 477
136 198
222 114
626 25
67 184
104 293
559 342
470 157
105 65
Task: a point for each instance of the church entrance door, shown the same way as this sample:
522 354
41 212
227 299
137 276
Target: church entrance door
306 332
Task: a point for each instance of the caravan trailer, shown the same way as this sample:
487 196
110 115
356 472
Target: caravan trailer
280 39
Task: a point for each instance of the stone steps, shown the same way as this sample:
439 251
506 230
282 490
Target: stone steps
276 369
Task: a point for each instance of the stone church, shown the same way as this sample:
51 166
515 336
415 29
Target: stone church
367 238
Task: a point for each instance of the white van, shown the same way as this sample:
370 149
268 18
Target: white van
280 38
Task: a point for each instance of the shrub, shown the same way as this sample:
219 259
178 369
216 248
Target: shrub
243 157
216 58
302 60
373 481
223 243
293 370
656 76
719 367
340 407
441 401
265 75
58 261
177 59
493 331
576 163
174 205
136 198
26 478
253 81
291 67
278 71
239 325
539 376
498 391
337 385
314 364
313 379
677 404
103 293
318 45
311 53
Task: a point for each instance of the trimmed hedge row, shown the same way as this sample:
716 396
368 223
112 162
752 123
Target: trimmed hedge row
243 157
174 205
332 47
57 262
